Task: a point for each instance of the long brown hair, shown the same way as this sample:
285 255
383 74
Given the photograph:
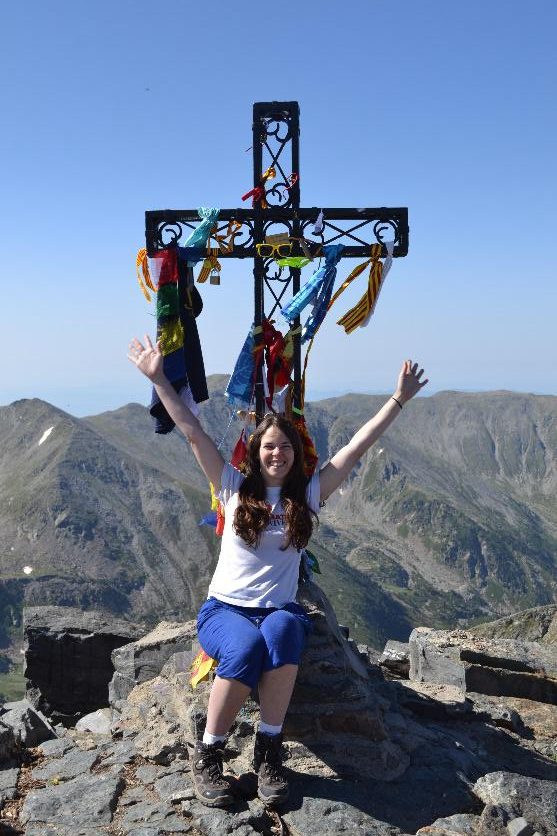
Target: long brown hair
252 514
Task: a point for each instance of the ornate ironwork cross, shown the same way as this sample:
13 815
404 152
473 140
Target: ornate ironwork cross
276 209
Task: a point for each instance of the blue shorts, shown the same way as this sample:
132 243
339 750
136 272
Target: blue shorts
246 641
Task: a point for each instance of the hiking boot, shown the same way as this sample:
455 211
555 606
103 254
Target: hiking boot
272 786
210 786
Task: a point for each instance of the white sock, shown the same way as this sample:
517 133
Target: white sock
266 728
213 738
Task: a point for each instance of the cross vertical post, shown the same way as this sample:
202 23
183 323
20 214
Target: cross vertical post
269 145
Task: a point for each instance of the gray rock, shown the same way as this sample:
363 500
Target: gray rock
117 753
29 725
170 787
502 667
215 822
77 803
493 821
461 824
141 660
520 827
396 658
98 722
67 659
44 829
8 784
148 774
162 815
118 689
8 743
73 763
133 795
57 748
148 831
332 818
519 795
498 714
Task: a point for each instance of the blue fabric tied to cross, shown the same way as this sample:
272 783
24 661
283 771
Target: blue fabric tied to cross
240 386
200 235
318 289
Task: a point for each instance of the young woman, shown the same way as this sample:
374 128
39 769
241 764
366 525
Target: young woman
251 622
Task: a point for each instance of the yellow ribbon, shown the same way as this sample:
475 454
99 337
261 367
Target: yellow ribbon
225 245
362 310
269 174
143 275
170 336
201 667
226 242
211 263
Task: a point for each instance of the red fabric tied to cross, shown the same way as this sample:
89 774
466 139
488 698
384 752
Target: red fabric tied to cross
164 267
279 367
240 451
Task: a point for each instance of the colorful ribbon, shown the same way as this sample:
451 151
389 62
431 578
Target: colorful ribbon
258 192
360 314
239 390
167 301
163 267
170 334
297 261
201 667
143 274
200 234
279 365
312 290
318 225
210 264
226 242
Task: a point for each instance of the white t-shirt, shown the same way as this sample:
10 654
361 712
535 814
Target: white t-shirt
264 576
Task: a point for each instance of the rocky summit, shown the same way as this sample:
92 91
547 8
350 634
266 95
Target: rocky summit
437 737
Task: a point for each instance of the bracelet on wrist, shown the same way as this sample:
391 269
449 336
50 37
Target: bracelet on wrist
396 401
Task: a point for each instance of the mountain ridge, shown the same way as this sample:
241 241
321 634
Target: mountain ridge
449 518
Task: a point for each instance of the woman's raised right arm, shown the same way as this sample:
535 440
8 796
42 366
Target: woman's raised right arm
149 360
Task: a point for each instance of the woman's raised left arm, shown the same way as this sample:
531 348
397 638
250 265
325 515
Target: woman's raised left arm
337 469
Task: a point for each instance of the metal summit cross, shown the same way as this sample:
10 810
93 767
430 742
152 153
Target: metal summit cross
276 211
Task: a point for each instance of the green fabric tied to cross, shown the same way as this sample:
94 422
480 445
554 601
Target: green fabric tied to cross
313 563
167 301
298 261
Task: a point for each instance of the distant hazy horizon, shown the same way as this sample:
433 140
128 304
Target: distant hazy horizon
85 403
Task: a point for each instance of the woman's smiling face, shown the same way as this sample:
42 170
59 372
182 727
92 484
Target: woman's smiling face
276 456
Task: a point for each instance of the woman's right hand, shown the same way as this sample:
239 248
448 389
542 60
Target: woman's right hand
148 359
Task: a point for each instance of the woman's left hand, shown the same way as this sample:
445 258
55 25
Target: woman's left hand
409 381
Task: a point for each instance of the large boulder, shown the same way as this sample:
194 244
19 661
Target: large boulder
520 796
67 659
499 667
141 660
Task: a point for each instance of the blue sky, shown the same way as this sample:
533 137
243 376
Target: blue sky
114 108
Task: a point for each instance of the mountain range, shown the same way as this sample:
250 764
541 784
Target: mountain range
449 519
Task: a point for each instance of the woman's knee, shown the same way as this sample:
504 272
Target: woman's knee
244 662
285 636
